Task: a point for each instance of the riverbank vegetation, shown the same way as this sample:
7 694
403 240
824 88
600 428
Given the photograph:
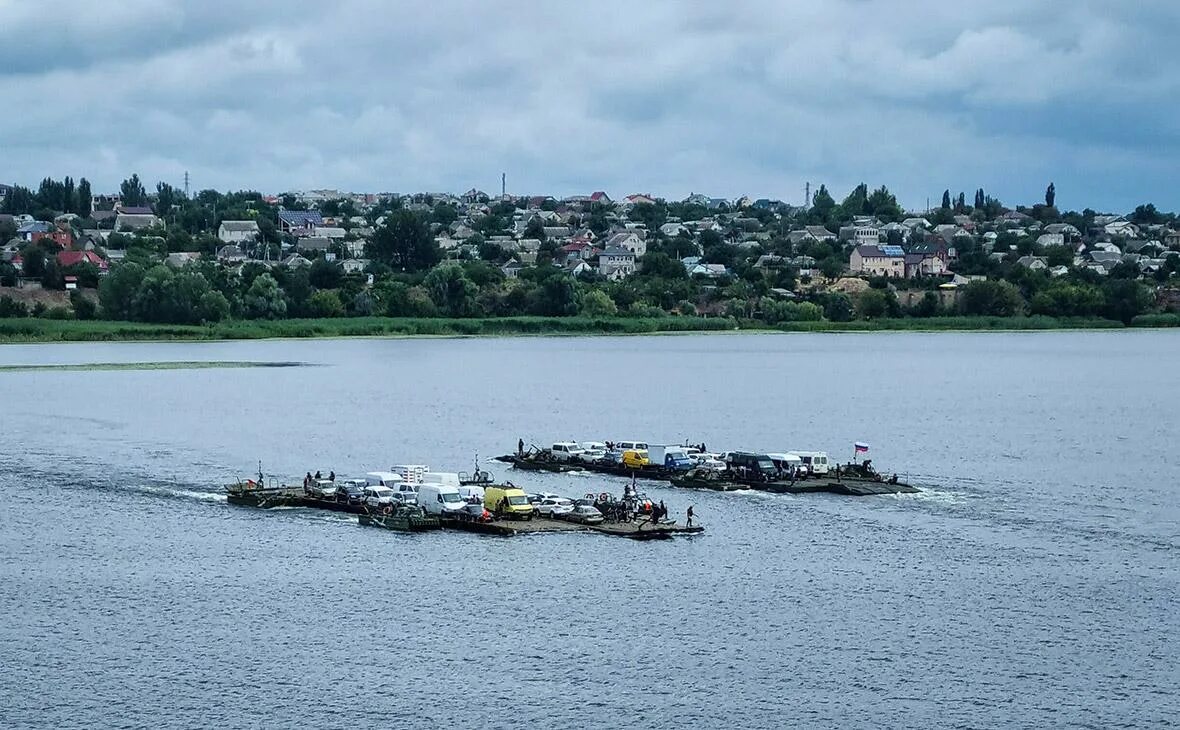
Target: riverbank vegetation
55 330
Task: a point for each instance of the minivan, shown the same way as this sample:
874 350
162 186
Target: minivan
789 464
507 502
440 499
404 490
815 461
566 451
753 463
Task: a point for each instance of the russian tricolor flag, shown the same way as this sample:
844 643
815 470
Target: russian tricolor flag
861 447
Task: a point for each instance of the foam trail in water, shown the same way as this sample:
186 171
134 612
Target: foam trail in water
175 492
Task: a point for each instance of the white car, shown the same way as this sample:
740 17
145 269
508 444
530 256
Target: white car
584 512
554 506
378 496
324 489
705 461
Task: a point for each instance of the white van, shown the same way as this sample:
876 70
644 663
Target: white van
622 446
404 490
815 461
472 493
440 499
788 464
449 479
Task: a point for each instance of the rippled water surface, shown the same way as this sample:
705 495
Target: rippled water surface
1033 583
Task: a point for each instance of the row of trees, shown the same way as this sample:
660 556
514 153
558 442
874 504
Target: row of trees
1022 293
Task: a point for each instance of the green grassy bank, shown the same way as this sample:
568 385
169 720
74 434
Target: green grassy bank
953 324
50 330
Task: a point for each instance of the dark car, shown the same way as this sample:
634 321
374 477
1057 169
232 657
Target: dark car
350 492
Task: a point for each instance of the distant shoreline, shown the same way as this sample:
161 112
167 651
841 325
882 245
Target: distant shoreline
34 330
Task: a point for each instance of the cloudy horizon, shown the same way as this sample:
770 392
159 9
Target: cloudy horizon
756 99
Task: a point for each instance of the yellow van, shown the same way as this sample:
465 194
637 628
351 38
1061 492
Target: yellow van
635 459
507 501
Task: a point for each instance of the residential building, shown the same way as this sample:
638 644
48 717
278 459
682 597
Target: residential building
292 221
878 261
333 232
578 267
238 231
511 269
312 244
181 259
924 264
1126 229
628 240
820 233
616 263
66 259
231 254
125 222
34 230
575 251
861 234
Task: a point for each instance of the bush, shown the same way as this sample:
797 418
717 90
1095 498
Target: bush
9 307
57 313
84 306
325 303
639 309
992 298
596 303
1156 320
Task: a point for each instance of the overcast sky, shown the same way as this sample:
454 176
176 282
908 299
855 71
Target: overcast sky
642 96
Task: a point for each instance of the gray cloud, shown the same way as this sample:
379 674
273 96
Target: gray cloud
658 97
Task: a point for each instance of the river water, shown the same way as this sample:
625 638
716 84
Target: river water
1033 583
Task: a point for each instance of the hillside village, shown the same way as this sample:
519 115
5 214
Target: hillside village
169 257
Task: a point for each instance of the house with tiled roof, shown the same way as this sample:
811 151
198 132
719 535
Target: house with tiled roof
66 259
